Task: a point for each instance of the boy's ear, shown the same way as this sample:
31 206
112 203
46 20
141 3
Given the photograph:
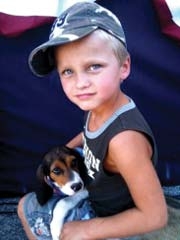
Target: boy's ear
125 68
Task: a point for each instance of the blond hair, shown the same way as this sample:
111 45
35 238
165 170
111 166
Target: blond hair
117 46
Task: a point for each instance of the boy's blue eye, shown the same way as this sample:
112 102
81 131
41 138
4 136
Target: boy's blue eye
67 72
94 67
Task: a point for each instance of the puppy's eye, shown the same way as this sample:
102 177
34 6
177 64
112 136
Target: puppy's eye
58 171
74 163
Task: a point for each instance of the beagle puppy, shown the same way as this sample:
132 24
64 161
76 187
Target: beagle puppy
62 173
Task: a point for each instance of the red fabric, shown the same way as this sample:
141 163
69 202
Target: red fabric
12 26
168 26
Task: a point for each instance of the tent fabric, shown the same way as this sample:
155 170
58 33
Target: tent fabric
31 14
168 13
35 115
13 26
14 20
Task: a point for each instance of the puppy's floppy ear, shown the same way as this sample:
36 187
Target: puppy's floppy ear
43 191
40 173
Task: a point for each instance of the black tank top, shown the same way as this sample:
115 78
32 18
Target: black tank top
108 192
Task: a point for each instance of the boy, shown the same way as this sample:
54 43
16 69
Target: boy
87 46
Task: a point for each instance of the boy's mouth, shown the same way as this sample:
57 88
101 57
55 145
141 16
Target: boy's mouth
85 96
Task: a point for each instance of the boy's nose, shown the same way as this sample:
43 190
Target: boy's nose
82 81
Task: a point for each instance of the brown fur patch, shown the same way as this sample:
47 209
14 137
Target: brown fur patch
65 167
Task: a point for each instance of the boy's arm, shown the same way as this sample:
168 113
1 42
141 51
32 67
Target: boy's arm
77 141
130 155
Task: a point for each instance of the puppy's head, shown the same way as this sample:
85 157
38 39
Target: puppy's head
61 169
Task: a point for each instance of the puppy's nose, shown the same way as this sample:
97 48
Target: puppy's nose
76 186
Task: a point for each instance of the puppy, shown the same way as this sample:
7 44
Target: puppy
62 173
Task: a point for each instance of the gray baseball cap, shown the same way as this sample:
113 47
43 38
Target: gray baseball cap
74 23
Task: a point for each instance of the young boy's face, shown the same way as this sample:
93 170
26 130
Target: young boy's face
90 73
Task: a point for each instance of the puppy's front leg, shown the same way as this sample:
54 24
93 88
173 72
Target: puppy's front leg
57 220
61 210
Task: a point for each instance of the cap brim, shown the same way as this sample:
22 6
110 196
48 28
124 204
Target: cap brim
41 61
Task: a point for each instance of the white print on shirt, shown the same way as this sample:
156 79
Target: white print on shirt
92 163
